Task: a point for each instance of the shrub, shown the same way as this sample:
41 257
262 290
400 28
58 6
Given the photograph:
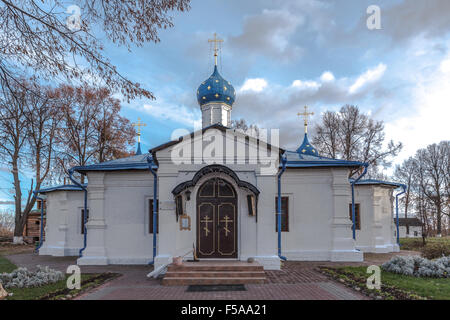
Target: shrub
435 250
23 278
418 266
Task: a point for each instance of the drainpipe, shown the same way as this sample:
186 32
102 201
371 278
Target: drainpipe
71 171
155 220
283 162
396 212
35 193
366 165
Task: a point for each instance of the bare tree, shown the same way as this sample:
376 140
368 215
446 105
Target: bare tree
405 174
352 135
426 176
28 123
241 125
6 223
57 41
432 160
92 129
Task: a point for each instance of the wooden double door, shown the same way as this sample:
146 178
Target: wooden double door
216 220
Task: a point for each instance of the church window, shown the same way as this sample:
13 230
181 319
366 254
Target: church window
284 214
207 190
209 87
82 219
150 215
357 215
225 190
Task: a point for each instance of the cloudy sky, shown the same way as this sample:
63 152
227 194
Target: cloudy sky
283 54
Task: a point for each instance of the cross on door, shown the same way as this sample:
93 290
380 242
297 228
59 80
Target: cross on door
206 220
226 220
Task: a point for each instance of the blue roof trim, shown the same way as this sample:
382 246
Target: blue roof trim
368 182
136 162
297 160
66 187
310 164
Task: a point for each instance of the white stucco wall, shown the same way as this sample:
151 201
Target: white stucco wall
63 225
118 226
315 210
412 232
254 239
377 232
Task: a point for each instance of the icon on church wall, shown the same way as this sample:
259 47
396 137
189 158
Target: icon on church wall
185 222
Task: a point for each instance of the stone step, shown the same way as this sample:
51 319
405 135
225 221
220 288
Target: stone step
215 267
170 281
215 274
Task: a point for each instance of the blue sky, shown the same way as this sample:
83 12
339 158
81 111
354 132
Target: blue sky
283 54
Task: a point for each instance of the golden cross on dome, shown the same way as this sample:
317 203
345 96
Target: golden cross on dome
306 114
216 49
139 124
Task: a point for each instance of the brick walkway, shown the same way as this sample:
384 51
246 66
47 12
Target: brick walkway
296 281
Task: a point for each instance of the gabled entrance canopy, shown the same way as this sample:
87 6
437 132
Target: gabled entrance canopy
215 168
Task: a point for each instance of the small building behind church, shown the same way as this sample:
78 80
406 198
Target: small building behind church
410 227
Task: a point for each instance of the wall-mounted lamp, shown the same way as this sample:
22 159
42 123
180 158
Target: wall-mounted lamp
188 195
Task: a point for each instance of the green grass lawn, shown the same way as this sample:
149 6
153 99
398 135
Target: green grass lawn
431 288
6 265
416 244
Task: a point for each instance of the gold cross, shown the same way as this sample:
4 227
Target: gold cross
306 114
206 220
139 124
216 41
226 220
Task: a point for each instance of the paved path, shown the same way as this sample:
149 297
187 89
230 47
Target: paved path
296 281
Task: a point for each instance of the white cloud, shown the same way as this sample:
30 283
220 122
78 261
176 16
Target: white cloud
255 85
327 77
445 66
370 76
302 85
180 114
426 121
269 33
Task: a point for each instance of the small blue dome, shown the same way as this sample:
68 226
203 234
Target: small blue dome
216 89
307 149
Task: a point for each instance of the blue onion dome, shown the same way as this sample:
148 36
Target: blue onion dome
216 89
306 148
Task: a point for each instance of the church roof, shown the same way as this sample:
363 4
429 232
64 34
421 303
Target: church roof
65 187
306 160
307 148
217 126
136 162
412 222
216 89
369 182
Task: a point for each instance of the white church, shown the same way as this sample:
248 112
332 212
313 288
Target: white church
219 194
